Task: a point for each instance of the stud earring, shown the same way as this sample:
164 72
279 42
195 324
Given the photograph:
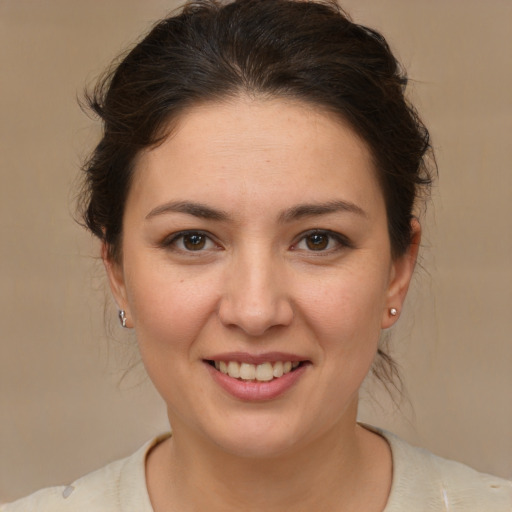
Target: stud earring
122 318
393 312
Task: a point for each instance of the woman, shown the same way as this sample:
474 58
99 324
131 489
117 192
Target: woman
255 193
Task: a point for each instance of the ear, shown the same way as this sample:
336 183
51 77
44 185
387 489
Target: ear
401 273
116 280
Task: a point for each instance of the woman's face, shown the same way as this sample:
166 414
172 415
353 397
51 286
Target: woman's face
255 239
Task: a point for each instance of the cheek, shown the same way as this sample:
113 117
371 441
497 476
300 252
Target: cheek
170 315
345 305
170 310
344 316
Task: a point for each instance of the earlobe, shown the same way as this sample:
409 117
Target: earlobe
401 274
115 276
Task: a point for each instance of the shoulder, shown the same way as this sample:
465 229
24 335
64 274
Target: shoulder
95 491
117 487
422 479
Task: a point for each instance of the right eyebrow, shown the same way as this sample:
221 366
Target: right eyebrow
190 208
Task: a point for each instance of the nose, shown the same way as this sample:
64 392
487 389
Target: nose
255 297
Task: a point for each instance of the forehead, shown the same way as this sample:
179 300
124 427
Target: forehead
246 152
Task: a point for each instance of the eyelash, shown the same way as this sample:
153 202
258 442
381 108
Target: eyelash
341 241
173 241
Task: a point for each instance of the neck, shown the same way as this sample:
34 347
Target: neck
348 468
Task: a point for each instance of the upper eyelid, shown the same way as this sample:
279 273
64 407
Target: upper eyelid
344 240
169 239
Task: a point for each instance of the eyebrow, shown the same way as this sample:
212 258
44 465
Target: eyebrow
310 210
190 208
295 213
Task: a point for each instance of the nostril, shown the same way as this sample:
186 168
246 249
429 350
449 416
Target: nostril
253 316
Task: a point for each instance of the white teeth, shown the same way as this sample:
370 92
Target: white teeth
247 371
262 372
278 369
234 369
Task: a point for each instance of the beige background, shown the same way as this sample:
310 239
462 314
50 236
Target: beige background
63 408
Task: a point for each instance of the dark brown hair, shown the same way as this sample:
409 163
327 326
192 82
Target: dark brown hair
305 50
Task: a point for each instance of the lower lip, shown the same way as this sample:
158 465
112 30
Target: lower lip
256 390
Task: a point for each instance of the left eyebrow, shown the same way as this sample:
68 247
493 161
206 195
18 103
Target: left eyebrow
314 209
195 209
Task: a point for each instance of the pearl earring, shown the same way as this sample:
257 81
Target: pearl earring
393 312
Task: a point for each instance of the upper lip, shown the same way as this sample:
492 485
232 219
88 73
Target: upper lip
266 357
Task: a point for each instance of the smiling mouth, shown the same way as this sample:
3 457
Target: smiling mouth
264 372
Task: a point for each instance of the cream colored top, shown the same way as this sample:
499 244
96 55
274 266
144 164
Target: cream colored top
422 482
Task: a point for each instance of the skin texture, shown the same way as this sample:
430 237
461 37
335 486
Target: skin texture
257 286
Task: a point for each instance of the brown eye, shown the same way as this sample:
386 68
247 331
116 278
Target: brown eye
317 241
194 241
322 241
187 242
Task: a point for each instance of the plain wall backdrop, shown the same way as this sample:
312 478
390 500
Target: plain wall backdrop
64 407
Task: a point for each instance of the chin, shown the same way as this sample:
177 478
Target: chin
260 434
244 433
257 446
